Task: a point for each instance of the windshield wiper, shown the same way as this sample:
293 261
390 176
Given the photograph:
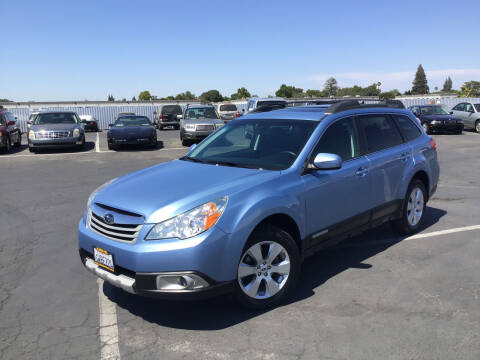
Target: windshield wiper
192 159
232 164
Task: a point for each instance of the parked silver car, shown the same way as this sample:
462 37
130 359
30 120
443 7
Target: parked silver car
198 122
56 130
470 115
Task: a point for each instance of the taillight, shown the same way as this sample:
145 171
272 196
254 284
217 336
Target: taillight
433 144
161 116
237 114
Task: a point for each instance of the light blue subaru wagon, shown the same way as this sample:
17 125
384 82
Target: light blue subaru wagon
255 198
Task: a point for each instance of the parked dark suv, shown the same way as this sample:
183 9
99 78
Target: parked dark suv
169 115
10 133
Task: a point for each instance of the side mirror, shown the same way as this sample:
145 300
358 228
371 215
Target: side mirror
451 112
179 117
193 147
326 161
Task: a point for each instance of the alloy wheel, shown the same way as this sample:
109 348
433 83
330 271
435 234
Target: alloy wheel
263 270
415 206
477 126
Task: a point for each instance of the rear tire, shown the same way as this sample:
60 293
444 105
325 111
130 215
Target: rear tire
32 149
185 142
268 269
477 126
413 211
8 145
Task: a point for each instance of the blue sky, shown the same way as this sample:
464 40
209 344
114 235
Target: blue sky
65 50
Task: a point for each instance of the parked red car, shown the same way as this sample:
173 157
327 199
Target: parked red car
10 133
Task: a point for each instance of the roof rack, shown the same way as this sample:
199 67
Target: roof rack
355 104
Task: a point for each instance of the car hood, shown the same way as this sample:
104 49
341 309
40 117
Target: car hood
203 121
132 130
166 190
55 127
438 117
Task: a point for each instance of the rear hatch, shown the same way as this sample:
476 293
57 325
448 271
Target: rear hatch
170 112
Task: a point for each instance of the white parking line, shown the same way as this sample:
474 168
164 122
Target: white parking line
413 237
108 326
97 144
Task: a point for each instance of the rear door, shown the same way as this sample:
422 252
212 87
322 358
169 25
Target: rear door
388 158
469 116
458 111
338 200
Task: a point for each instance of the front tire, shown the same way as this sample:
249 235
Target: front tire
477 126
268 269
18 143
413 211
425 127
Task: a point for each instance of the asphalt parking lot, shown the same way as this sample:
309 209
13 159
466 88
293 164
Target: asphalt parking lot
376 296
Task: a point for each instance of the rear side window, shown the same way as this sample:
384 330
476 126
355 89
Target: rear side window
380 132
340 138
408 129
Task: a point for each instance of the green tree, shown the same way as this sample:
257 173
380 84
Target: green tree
470 89
289 92
111 98
314 93
447 85
420 84
144 96
241 93
187 95
371 90
331 87
4 100
390 94
211 96
350 91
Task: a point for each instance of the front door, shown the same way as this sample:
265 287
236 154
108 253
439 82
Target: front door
338 200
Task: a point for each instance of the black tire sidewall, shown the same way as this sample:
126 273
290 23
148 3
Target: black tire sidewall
271 233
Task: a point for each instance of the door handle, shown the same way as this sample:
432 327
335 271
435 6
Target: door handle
361 171
404 156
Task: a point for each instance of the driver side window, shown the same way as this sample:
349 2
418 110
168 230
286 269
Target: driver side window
340 138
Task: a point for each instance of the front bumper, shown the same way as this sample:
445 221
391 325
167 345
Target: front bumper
449 127
55 143
137 264
139 141
145 284
195 135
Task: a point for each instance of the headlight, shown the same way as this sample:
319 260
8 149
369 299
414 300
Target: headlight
97 190
76 133
189 127
218 126
31 135
190 223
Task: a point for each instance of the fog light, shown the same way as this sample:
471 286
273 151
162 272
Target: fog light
180 282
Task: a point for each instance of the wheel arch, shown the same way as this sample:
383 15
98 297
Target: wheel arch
423 177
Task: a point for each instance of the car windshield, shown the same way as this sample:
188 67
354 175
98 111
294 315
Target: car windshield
201 113
477 107
56 118
172 109
255 143
229 107
132 121
433 110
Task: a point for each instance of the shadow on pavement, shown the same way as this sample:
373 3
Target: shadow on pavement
89 146
133 148
222 312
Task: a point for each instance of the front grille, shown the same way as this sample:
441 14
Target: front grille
205 128
53 134
122 232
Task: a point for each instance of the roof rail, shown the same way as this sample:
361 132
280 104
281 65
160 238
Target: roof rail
355 104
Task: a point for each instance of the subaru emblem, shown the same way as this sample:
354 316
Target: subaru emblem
109 219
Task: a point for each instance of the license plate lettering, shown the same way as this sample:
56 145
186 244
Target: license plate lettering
103 258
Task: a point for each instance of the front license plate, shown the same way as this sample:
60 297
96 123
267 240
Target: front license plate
104 259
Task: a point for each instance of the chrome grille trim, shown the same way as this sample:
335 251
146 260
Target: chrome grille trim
118 232
205 127
53 134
